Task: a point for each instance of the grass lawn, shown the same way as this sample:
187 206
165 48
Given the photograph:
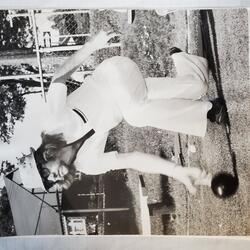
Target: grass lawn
147 41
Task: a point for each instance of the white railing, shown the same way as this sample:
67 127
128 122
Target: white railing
41 49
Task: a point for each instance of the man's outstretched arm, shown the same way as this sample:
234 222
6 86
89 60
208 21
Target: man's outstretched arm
74 62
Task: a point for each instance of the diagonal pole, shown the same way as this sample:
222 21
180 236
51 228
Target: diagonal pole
39 215
32 13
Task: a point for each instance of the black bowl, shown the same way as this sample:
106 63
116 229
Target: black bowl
224 185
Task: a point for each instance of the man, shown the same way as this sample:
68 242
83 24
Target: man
76 126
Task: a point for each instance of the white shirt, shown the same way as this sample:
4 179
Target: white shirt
101 113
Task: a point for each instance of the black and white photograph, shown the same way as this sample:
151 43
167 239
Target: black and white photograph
124 122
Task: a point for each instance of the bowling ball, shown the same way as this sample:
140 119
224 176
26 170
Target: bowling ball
224 185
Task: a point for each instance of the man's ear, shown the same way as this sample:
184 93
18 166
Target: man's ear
50 152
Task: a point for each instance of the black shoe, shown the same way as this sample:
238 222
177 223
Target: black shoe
174 50
218 112
132 16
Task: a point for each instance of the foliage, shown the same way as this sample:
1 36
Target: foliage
12 96
19 36
6 220
11 109
6 167
23 68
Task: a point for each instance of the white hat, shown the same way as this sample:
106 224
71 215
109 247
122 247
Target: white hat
29 173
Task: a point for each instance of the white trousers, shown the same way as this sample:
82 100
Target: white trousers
173 103
162 102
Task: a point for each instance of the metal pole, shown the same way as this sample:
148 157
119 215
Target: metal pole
72 47
17 77
63 12
19 15
188 30
38 52
25 76
39 214
65 228
60 211
93 210
103 205
74 35
90 194
187 195
50 13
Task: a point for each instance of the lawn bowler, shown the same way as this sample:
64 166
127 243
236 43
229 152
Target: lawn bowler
76 126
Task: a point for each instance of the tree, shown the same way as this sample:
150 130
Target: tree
17 37
7 227
6 168
11 109
12 92
6 220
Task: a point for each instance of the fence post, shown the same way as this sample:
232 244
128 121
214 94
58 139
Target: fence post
38 52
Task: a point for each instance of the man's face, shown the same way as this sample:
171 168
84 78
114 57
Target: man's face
56 170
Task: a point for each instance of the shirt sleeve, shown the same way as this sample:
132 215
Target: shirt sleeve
93 160
102 163
57 96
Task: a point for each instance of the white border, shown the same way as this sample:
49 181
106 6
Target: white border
138 4
125 243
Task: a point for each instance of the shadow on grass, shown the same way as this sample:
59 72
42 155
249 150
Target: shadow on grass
209 38
210 48
166 197
167 200
118 195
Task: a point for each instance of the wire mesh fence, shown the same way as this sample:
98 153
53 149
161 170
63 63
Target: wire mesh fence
64 32
35 42
56 35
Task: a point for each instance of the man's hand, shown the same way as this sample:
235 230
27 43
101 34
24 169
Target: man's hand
102 39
